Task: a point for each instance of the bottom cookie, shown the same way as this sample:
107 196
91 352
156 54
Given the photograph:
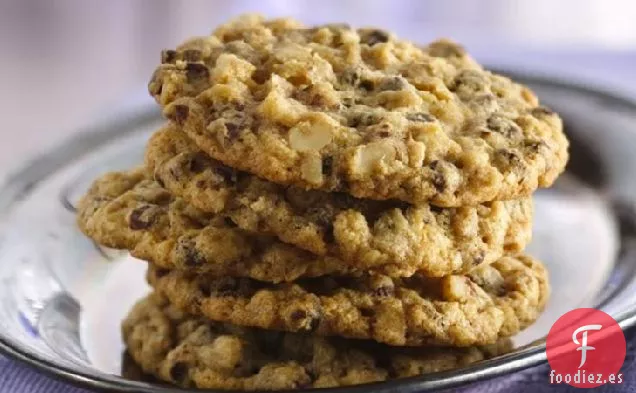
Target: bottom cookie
193 352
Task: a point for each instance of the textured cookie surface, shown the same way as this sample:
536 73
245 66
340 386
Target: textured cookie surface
385 235
492 302
124 210
361 112
191 352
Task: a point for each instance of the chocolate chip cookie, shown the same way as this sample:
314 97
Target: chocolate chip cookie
193 352
359 111
392 236
492 302
124 210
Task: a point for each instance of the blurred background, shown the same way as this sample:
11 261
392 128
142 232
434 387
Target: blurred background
65 63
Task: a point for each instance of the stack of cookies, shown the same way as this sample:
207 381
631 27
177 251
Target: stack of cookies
328 206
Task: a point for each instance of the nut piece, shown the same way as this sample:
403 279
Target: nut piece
307 136
436 141
311 169
461 289
369 157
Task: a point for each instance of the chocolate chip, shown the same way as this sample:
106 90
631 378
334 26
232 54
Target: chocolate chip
260 76
367 85
179 372
439 180
541 111
419 117
199 162
179 114
168 56
376 37
192 55
196 71
393 83
137 220
327 165
383 291
233 131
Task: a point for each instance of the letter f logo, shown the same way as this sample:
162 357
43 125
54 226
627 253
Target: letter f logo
583 344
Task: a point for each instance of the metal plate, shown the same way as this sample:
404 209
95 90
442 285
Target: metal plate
62 297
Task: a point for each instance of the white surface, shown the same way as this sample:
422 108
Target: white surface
105 308
577 239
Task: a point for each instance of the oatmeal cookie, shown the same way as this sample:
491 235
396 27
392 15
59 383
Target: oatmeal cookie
193 352
124 210
359 111
492 302
391 236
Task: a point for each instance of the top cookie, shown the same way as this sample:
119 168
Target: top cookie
359 111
